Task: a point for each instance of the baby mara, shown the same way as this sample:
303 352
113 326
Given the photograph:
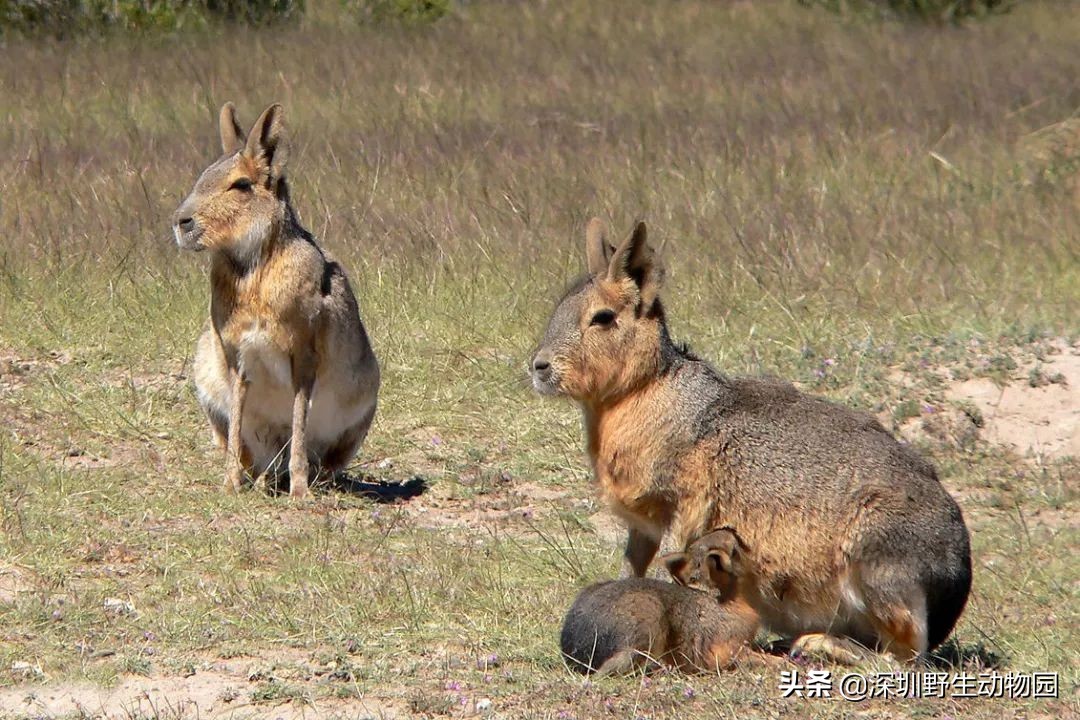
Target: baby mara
700 624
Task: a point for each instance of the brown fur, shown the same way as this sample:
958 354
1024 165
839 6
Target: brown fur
846 531
700 624
284 362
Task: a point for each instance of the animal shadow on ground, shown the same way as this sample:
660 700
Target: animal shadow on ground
362 485
952 654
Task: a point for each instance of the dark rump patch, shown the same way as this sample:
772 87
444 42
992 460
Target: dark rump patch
585 645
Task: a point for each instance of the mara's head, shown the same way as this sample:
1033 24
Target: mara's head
604 338
241 199
712 562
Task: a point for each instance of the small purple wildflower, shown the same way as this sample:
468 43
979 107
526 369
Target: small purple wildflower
689 693
928 409
436 440
828 362
149 636
453 685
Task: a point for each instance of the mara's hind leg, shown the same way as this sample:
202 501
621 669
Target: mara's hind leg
901 631
895 607
344 448
626 662
831 648
722 654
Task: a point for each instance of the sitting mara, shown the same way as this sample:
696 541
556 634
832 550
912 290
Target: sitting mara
284 367
847 532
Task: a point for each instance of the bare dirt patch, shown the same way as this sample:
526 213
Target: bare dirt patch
1031 407
16 370
506 504
14 581
234 688
608 527
1037 413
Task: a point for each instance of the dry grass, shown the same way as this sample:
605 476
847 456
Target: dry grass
873 194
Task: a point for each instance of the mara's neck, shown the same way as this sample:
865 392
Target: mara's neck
626 420
245 256
641 411
650 363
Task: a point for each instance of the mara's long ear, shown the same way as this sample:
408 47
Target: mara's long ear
722 541
636 260
721 573
720 562
232 136
268 146
721 555
598 251
678 565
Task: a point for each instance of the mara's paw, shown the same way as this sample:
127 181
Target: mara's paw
298 485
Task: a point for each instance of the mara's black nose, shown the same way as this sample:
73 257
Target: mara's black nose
186 224
541 365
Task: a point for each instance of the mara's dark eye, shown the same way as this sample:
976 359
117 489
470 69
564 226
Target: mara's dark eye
242 184
604 318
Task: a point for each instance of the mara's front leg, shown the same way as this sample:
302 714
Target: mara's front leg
234 447
303 382
641 548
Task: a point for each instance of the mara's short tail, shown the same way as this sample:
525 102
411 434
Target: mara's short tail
945 601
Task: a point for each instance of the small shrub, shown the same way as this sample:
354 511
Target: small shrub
254 11
924 10
409 12
66 17
910 408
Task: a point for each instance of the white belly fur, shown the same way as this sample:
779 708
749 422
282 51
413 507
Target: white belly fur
267 423
262 362
328 417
